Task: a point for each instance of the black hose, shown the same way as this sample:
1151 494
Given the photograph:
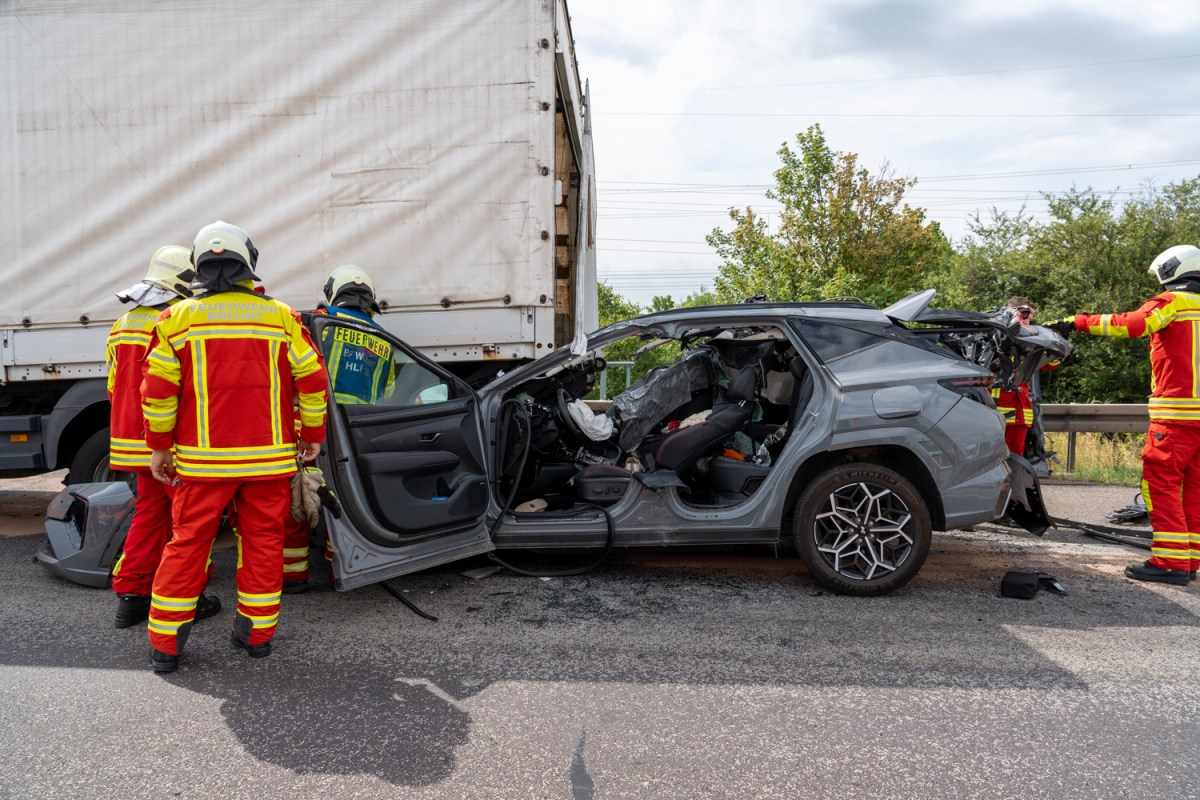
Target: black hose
1106 534
413 606
501 446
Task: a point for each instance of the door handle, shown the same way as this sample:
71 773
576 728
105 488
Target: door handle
430 438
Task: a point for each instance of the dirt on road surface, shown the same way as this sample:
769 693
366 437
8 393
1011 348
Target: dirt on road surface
23 502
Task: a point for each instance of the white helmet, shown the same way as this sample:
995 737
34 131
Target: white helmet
1175 263
350 286
226 248
166 279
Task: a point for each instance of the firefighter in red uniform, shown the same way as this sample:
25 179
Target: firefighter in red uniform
220 379
166 283
1016 405
1171 457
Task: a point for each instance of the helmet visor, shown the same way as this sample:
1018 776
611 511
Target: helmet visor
144 293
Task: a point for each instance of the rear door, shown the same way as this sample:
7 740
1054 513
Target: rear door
409 467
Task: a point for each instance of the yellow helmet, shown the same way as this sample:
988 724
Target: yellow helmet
167 278
350 286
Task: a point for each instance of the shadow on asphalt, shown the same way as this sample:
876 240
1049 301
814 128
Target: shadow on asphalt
359 684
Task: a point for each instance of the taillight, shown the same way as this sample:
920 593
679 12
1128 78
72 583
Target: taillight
976 388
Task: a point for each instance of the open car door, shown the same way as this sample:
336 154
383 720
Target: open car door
404 453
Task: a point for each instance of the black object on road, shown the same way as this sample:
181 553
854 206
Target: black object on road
1024 585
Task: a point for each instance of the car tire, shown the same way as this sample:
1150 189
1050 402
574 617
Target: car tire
90 464
862 529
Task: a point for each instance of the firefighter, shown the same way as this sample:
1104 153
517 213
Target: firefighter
361 371
219 383
1015 404
361 368
1171 457
165 284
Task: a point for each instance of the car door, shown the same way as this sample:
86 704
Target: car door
407 461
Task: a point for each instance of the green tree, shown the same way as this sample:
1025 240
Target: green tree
1093 256
612 307
991 265
842 231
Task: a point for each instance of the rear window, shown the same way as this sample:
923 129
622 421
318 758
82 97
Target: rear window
834 340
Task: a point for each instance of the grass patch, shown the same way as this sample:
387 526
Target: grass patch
1112 458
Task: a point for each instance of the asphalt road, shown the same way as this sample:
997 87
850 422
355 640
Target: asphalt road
657 676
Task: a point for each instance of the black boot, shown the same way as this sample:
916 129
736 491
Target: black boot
132 609
162 662
1149 572
253 650
207 606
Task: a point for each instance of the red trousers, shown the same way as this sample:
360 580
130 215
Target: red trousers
148 535
295 549
1014 437
1171 487
260 506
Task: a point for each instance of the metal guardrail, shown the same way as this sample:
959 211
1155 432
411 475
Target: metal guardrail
627 365
1073 418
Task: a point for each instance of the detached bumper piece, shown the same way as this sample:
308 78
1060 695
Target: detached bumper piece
86 526
1025 506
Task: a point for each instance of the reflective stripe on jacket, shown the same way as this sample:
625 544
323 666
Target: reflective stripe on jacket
126 348
220 382
1172 321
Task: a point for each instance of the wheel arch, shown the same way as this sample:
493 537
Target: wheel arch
894 457
79 413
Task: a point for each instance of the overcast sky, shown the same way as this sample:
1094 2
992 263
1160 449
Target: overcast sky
985 103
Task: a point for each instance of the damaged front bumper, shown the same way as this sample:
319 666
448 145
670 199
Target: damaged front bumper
86 524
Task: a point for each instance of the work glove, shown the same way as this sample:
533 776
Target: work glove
306 500
1063 327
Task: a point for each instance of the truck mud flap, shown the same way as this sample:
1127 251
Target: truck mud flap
85 530
1025 505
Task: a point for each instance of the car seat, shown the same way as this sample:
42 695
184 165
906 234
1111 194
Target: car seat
682 448
733 479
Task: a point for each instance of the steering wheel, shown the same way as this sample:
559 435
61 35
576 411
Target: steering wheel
569 426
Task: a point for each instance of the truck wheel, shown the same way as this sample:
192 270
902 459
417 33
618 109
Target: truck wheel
862 529
90 464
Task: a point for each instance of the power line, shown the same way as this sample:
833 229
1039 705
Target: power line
930 76
675 186
815 114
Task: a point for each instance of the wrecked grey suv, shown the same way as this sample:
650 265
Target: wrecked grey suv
850 431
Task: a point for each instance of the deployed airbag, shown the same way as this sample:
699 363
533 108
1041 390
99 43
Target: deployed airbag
663 389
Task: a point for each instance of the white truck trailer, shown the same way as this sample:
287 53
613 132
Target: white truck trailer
443 146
